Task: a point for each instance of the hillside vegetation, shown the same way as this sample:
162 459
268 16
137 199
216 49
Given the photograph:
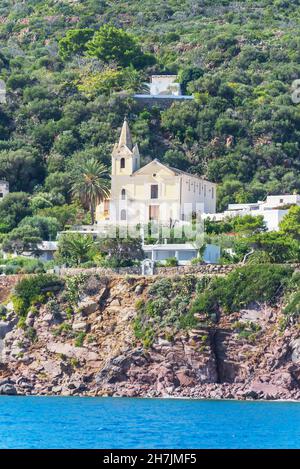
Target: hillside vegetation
70 79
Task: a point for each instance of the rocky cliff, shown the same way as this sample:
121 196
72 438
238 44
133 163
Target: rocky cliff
93 350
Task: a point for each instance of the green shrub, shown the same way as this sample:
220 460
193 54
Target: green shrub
22 323
197 260
247 330
139 304
73 287
259 257
32 290
79 339
23 265
171 262
30 333
2 311
64 328
251 283
293 307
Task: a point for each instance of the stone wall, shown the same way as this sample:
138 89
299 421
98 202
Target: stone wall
134 270
203 269
7 282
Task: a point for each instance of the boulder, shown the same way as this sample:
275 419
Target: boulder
267 391
115 302
48 318
52 368
79 326
10 307
81 353
184 379
30 320
88 306
56 389
139 289
8 389
5 327
295 348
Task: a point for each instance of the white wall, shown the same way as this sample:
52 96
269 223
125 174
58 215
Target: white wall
272 218
277 200
164 85
198 191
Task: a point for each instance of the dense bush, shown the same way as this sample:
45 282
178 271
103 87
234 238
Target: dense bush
22 265
34 290
251 283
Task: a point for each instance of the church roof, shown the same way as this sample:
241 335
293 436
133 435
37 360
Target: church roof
125 137
176 171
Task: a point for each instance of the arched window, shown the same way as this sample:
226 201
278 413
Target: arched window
123 194
122 163
123 214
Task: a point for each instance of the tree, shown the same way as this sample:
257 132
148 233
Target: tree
43 200
22 240
279 246
290 224
90 185
121 252
47 226
189 74
228 193
74 42
112 44
248 224
58 183
105 82
13 208
64 214
23 169
75 248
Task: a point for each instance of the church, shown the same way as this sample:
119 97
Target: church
154 192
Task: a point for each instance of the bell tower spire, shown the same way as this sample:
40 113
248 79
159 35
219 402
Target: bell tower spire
125 137
125 155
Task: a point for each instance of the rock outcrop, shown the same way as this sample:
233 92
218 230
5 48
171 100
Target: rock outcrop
94 351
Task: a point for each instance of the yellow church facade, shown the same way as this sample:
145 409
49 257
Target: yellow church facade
154 192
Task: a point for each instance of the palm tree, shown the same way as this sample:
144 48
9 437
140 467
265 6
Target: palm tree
90 184
75 248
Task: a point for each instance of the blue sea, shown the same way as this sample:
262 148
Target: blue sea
84 422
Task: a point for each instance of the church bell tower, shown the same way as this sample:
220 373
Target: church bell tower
125 155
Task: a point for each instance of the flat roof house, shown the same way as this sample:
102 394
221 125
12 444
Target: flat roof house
273 209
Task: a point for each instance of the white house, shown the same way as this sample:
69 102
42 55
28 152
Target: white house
184 253
46 251
273 209
164 87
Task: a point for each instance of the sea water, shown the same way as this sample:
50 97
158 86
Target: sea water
87 422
